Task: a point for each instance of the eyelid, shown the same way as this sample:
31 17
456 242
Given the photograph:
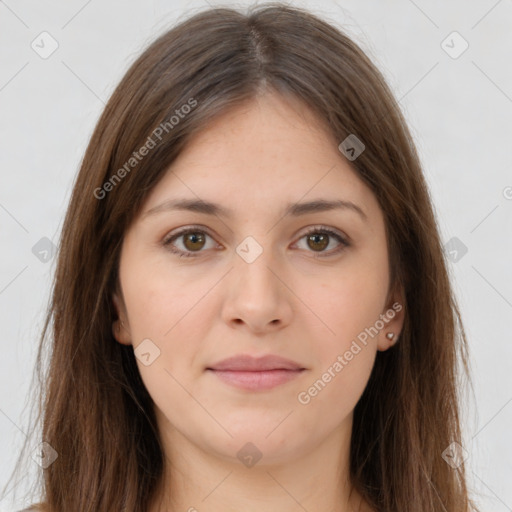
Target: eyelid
185 230
343 240
326 229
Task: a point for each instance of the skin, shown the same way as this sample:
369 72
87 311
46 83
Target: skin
289 301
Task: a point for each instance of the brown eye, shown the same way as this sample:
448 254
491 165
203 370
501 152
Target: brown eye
319 238
193 241
318 242
189 242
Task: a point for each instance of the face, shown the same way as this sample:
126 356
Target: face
257 278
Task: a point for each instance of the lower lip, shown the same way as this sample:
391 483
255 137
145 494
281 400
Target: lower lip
256 381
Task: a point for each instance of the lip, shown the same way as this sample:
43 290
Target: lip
247 363
256 374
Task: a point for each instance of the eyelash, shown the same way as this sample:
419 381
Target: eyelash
199 229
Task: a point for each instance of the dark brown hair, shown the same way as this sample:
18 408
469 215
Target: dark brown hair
95 410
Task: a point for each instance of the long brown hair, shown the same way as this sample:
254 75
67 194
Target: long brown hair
96 413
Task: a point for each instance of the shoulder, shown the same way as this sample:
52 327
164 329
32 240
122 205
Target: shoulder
40 507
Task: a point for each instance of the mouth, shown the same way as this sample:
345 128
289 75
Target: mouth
256 374
256 380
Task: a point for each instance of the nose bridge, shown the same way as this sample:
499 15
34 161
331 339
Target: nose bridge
253 263
257 296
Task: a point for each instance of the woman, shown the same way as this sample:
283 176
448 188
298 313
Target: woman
251 307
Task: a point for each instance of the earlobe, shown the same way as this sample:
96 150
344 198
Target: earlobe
120 333
393 318
387 338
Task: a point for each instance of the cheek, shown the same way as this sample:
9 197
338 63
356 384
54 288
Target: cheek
162 303
344 352
169 312
347 303
175 313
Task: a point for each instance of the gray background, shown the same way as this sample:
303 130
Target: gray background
459 110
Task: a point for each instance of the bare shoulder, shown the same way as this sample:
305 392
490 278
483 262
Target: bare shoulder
39 507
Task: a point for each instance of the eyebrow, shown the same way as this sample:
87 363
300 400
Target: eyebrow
293 209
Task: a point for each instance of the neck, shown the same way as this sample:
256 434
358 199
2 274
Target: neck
195 480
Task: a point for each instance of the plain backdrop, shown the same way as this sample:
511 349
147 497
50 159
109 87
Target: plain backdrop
455 90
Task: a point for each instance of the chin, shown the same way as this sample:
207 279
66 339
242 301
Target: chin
251 446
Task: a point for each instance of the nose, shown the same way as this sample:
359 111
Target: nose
257 297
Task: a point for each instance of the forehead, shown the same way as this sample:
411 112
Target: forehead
269 125
269 150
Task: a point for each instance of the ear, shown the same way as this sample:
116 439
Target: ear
393 318
120 326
